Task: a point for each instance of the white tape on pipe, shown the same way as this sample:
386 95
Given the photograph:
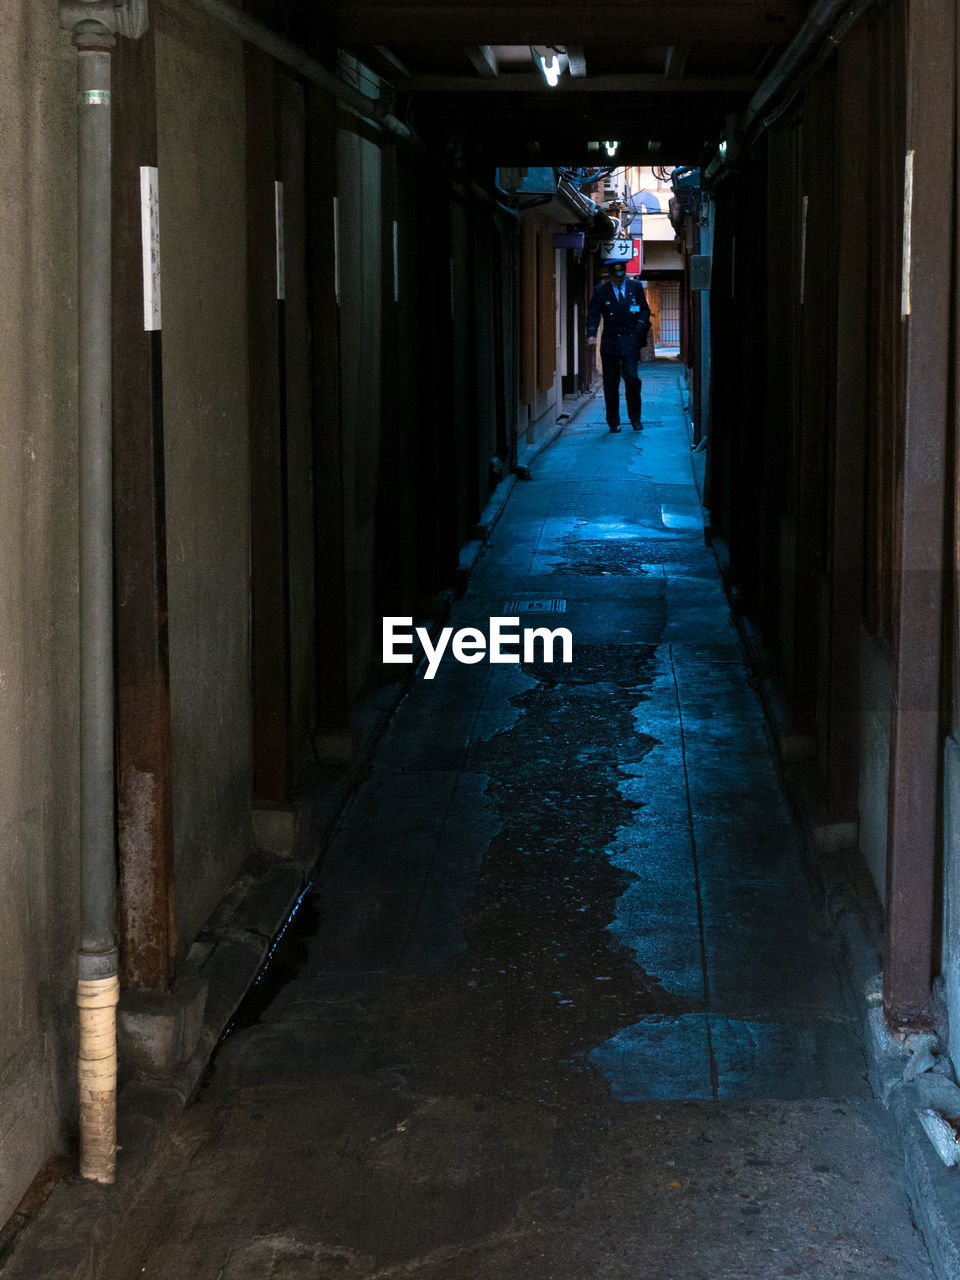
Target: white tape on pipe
97 1069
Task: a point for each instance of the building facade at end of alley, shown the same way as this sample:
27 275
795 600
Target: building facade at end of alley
352 329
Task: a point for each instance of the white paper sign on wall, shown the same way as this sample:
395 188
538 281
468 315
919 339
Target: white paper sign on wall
150 243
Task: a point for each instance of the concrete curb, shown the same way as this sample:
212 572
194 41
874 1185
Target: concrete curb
934 1192
494 509
533 451
471 551
909 1077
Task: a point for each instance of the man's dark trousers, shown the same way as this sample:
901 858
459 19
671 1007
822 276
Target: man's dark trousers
616 365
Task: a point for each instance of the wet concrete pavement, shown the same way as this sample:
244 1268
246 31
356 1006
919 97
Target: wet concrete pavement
562 1003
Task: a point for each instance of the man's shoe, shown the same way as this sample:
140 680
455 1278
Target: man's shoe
637 426
614 430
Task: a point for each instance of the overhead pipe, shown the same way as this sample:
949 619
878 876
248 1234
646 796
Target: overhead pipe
816 28
93 25
291 55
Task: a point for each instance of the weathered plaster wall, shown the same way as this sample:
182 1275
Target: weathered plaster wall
661 256
201 113
38 591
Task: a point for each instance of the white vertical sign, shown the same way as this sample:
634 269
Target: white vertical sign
907 234
278 217
150 243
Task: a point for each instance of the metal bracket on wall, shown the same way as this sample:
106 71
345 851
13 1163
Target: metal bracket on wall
85 17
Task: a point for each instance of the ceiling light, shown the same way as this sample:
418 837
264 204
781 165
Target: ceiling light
611 148
551 59
551 70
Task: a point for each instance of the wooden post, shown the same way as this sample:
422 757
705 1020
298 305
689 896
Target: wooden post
269 532
323 212
147 904
842 745
916 737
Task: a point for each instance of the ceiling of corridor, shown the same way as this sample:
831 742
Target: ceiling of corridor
659 77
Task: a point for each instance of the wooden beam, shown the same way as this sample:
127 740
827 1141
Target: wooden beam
577 60
676 63
484 60
521 82
382 62
390 59
407 22
850 437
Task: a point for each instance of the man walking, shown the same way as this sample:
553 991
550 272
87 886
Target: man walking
622 305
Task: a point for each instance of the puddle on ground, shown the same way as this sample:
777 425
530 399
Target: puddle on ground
543 980
598 557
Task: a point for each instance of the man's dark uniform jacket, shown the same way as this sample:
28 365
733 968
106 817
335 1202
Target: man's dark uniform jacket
626 324
624 330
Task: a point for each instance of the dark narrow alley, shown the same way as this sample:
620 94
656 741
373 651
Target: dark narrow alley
563 1001
456 823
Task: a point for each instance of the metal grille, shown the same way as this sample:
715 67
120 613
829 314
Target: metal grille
670 314
535 606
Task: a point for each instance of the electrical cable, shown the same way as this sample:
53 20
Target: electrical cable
582 177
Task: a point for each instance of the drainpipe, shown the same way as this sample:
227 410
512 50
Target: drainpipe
291 55
93 25
812 36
